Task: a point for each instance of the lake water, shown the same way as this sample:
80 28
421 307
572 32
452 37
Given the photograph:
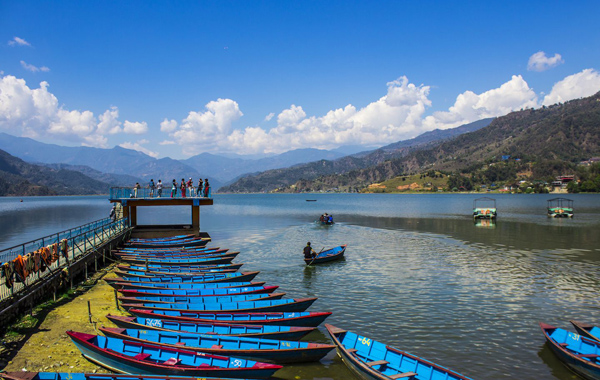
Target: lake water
418 275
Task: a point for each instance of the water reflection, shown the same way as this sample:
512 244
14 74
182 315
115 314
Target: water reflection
485 223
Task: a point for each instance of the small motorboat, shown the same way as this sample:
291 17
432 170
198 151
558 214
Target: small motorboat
303 319
370 359
580 354
133 357
328 255
253 331
560 208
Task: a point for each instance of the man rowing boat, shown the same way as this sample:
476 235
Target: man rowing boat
309 253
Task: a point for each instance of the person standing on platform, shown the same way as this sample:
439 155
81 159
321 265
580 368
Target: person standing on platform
113 213
174 189
190 186
159 188
135 189
152 186
206 188
182 187
200 190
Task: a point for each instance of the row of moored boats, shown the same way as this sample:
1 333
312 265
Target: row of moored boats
193 313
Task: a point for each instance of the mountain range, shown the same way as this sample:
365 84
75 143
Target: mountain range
545 142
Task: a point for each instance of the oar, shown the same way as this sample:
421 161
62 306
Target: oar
316 256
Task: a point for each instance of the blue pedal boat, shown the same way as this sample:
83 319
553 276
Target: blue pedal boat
579 354
370 359
178 269
84 376
202 300
328 255
132 357
224 258
213 277
291 304
183 286
252 331
303 319
264 350
215 292
587 330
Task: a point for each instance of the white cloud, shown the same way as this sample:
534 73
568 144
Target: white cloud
36 113
135 128
269 116
468 107
109 123
32 68
582 84
168 125
167 142
138 146
17 41
540 62
201 128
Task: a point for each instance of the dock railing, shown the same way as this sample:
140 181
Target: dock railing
79 241
147 193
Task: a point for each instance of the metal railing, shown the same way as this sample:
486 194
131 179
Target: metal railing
147 193
79 241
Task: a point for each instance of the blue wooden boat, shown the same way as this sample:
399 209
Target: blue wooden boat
254 331
580 354
169 255
203 300
224 258
178 269
264 350
587 330
161 239
162 250
328 255
182 286
303 319
298 304
132 357
370 359
199 292
187 242
84 376
213 277
143 274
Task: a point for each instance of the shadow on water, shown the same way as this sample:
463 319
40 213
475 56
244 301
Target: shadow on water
556 367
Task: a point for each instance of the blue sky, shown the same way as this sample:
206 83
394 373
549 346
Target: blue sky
180 78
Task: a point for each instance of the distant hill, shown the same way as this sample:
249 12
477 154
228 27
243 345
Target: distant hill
283 178
123 161
120 180
18 178
225 169
547 140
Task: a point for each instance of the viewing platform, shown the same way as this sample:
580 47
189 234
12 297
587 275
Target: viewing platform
129 200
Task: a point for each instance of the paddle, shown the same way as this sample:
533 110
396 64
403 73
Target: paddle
316 256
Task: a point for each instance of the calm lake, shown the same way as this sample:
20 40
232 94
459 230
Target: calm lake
418 275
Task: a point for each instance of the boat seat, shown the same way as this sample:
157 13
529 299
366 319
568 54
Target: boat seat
402 375
589 356
564 345
377 362
172 361
141 356
216 347
352 350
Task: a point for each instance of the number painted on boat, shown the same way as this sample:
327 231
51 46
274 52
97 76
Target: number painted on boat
237 363
153 322
575 337
365 340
